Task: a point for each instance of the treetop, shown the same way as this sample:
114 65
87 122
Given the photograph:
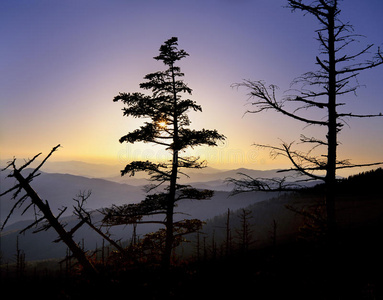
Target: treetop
169 52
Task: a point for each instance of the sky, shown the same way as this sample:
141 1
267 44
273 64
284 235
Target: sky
62 62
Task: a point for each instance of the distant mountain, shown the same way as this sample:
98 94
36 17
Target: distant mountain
82 169
39 246
79 168
92 170
215 177
60 189
206 178
223 175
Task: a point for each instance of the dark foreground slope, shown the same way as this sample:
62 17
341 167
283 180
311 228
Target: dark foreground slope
296 269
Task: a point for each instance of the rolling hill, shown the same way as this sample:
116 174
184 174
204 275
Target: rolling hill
60 189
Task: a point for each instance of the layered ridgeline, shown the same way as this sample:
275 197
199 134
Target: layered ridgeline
61 189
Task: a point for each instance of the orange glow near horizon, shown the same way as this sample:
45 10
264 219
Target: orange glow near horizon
62 67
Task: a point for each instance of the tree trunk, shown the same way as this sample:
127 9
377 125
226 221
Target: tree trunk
169 218
64 235
173 184
228 233
332 131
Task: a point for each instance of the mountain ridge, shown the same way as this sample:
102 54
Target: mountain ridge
60 189
39 246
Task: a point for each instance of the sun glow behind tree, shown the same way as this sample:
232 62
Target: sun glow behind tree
167 125
62 62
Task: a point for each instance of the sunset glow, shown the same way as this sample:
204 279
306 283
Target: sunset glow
162 124
62 64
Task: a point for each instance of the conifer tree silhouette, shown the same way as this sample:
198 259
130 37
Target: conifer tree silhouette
168 126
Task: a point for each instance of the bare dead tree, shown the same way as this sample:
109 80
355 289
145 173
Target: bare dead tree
20 260
245 232
228 241
43 211
318 91
273 233
85 217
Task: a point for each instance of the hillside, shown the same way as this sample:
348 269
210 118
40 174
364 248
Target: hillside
293 269
60 189
205 178
39 246
288 267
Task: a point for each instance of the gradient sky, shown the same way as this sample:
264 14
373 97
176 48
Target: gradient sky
62 62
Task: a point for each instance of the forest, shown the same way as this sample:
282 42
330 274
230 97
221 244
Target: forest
179 229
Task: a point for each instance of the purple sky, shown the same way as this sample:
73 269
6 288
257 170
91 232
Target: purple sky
62 62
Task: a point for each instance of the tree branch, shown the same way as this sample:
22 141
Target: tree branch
359 116
266 100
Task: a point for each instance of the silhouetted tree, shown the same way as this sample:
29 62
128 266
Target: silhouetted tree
167 112
43 211
273 233
245 232
228 241
320 90
86 218
20 259
198 245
